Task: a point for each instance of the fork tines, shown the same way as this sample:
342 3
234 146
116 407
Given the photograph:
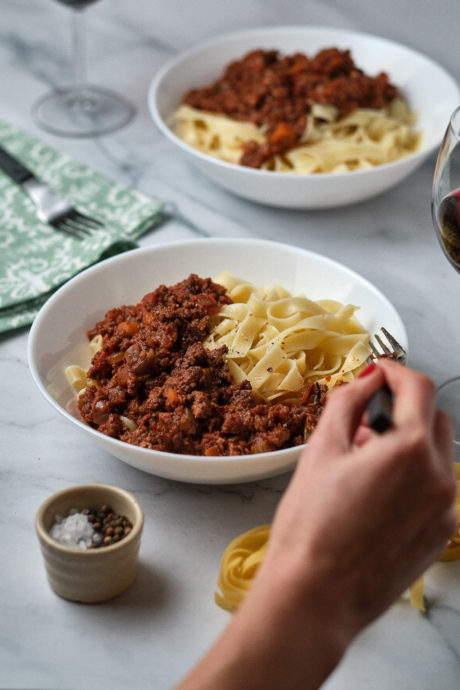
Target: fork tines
396 352
76 224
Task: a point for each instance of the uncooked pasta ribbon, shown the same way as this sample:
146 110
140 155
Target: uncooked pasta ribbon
240 562
451 553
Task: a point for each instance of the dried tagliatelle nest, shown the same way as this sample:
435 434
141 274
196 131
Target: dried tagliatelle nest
240 562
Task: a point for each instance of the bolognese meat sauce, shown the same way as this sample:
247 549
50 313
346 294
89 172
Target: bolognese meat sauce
155 385
277 92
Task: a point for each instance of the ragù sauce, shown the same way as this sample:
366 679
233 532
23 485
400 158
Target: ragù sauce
277 91
178 396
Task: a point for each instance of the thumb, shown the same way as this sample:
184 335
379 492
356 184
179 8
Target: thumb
344 410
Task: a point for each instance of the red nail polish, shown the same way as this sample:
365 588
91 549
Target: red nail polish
368 370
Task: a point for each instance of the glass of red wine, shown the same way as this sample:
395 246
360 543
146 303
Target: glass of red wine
81 110
446 219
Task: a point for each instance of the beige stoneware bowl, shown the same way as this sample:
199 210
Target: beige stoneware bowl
90 575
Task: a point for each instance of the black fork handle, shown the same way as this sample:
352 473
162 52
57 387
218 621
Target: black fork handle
379 410
14 168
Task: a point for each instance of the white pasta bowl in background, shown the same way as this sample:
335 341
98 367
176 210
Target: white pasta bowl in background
431 93
58 335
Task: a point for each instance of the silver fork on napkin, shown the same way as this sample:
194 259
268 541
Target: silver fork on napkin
51 208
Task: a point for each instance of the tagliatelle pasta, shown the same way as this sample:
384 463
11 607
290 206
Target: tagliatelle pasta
240 562
216 135
451 553
76 375
363 139
160 377
279 341
298 113
417 594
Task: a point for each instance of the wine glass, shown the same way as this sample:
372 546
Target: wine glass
445 208
81 110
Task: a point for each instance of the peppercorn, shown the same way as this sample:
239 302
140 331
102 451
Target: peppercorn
109 527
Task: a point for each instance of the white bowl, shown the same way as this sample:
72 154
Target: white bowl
58 334
431 92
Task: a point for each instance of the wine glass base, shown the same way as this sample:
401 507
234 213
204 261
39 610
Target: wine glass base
82 112
448 399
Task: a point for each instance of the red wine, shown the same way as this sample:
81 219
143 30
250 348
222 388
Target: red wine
77 4
449 225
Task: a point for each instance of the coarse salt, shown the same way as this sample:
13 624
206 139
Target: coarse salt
75 530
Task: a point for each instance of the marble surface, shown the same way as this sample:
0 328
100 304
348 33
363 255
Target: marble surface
151 635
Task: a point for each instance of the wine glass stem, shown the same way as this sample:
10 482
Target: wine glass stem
79 47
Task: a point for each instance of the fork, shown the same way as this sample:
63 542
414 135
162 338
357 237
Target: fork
397 352
51 208
379 408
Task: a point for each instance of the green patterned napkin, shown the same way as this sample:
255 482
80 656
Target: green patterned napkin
35 259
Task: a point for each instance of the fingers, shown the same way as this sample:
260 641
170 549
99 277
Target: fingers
339 428
412 557
344 410
415 405
443 438
414 394
429 543
363 435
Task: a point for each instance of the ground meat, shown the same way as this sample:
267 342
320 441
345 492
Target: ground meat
154 371
277 92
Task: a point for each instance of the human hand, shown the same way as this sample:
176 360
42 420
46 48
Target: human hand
363 516
366 514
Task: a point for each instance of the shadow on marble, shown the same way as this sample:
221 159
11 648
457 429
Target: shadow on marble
148 595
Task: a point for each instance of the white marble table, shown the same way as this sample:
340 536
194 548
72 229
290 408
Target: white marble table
152 634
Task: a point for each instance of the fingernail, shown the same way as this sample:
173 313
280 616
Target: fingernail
368 370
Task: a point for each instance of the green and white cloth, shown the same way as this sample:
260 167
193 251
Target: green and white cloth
35 259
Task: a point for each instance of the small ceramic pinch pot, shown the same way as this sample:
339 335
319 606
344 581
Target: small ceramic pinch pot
90 575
